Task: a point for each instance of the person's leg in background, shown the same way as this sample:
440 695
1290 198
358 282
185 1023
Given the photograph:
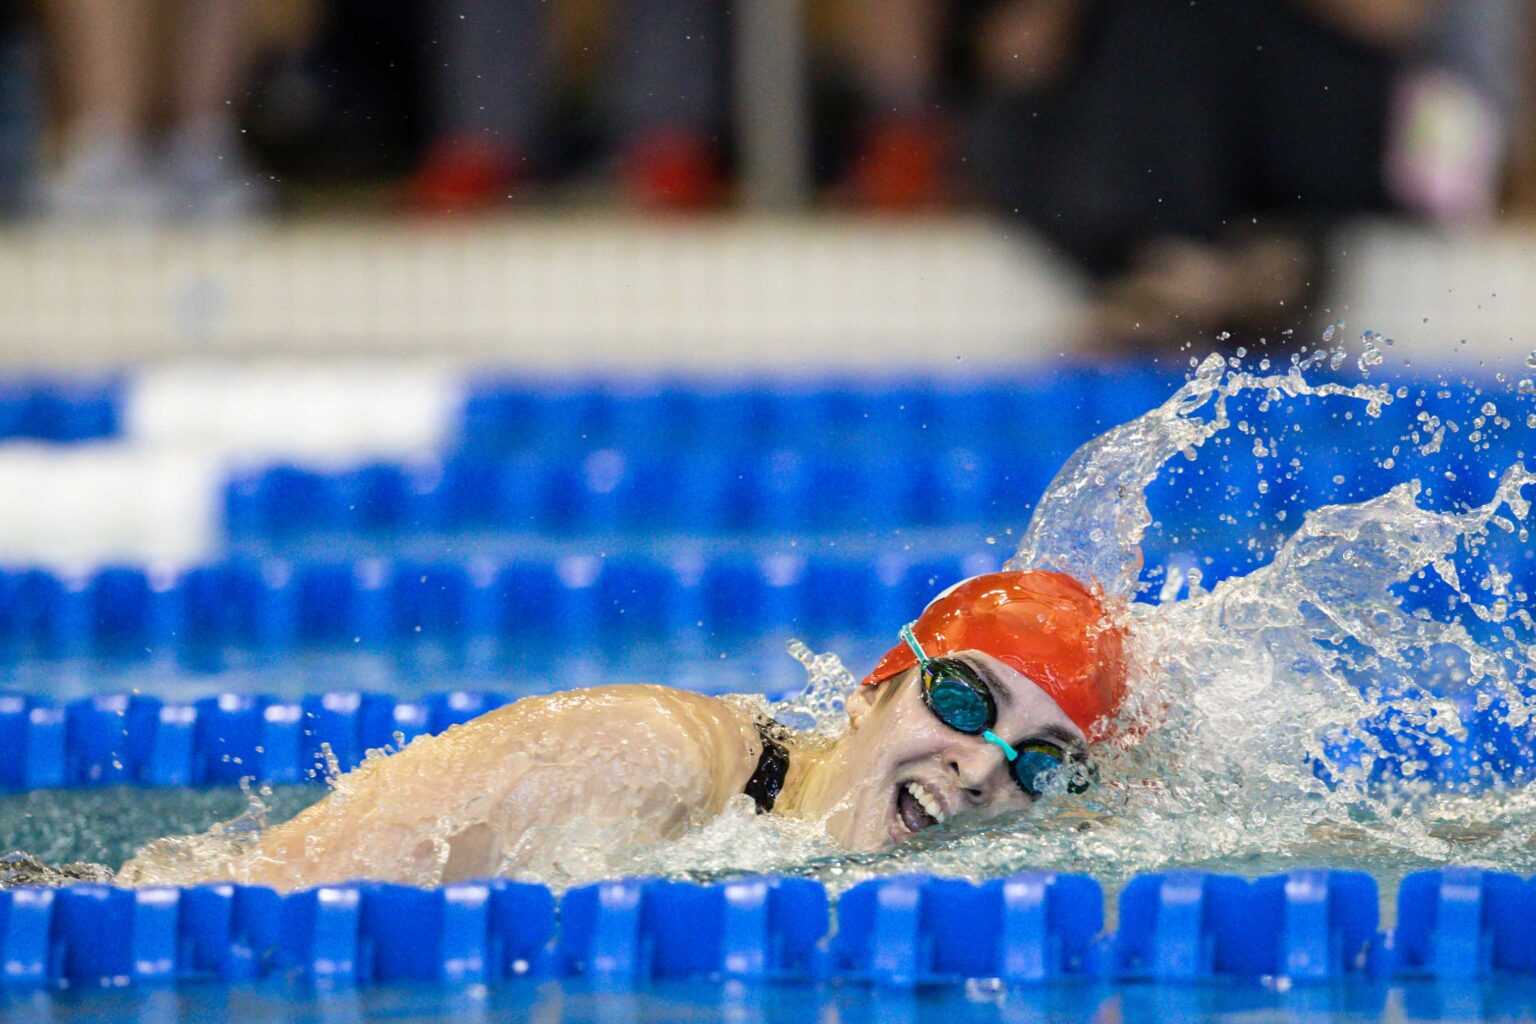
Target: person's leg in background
340 90
491 73
20 110
894 50
1097 126
102 58
204 161
670 90
1098 135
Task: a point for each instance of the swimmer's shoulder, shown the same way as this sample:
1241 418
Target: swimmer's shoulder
640 698
719 738
687 713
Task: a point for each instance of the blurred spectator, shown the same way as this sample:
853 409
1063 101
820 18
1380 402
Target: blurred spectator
19 106
1455 107
901 155
338 90
1188 155
112 56
493 82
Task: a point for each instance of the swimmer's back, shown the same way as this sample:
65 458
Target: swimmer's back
633 763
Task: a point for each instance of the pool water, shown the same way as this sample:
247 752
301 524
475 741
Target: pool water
106 826
1352 689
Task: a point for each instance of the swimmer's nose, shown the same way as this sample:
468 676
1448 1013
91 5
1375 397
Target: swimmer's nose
975 766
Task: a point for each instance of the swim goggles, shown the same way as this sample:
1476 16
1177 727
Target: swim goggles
959 699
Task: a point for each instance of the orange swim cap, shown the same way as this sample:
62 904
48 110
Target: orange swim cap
1046 625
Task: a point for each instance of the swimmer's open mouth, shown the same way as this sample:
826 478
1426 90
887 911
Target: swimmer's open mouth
918 807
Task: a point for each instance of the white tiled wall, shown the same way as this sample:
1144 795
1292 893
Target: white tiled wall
543 293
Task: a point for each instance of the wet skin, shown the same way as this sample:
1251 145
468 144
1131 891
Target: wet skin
517 789
623 765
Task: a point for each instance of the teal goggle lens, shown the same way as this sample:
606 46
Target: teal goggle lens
1036 769
959 703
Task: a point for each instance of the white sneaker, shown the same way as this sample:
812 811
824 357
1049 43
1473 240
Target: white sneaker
208 174
105 175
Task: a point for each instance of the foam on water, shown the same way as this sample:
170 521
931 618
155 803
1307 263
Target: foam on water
1306 712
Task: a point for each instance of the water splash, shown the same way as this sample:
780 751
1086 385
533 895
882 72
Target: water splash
1303 711
819 709
1093 516
185 859
18 870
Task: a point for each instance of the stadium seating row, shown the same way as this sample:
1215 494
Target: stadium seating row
274 606
1071 403
120 739
608 491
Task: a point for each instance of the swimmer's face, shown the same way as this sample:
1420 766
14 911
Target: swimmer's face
908 771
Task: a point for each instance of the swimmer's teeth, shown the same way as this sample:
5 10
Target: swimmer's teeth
928 802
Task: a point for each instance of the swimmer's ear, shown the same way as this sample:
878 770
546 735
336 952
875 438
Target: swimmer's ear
864 699
859 703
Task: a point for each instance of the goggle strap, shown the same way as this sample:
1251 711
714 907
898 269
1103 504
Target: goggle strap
1008 751
911 641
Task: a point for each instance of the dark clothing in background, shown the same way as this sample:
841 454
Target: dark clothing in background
1187 119
1485 41
21 104
492 69
352 104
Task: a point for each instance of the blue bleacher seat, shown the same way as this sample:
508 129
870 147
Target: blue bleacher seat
98 749
371 498
639 598
841 596
428 600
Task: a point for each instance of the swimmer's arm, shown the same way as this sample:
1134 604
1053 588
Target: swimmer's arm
641 762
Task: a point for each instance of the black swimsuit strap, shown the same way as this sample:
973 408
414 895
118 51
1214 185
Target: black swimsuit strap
764 785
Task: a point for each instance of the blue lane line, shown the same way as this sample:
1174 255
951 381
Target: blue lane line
60 410
564 602
1313 926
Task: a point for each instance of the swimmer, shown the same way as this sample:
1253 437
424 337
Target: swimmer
989 701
